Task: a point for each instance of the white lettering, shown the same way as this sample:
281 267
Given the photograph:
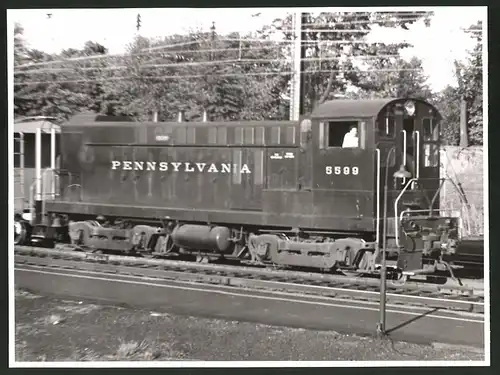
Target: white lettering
201 166
245 169
338 170
163 166
188 167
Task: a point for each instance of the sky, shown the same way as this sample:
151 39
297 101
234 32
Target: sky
437 46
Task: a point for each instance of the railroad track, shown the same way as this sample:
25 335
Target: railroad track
450 297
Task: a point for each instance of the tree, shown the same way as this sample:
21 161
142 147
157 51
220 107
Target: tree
47 84
334 49
469 87
394 78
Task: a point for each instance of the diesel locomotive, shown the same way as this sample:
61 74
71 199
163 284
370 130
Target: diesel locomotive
329 192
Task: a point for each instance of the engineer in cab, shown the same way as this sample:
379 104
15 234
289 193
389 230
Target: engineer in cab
351 139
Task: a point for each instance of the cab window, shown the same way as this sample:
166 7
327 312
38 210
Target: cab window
342 134
386 126
431 130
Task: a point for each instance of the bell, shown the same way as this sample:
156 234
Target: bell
402 173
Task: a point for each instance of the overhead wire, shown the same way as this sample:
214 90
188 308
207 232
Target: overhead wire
173 77
213 62
280 43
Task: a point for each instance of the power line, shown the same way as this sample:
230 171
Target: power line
170 77
248 40
214 62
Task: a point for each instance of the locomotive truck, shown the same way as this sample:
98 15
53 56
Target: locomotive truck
285 193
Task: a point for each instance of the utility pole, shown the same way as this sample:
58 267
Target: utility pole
295 97
303 49
212 44
464 139
138 25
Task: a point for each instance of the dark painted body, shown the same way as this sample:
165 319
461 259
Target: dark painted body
288 184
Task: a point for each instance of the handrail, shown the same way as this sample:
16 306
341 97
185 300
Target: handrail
396 232
417 163
377 234
404 151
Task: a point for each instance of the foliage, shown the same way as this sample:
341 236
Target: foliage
448 104
219 75
335 60
405 79
38 90
469 76
470 86
232 77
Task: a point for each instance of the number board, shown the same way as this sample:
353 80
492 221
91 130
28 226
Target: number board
345 170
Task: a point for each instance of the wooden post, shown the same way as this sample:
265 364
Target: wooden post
464 139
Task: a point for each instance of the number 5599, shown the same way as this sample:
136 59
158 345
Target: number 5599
337 170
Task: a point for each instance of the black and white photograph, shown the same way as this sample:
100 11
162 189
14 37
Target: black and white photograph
248 187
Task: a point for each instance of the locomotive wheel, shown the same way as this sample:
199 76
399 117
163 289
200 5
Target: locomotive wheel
20 233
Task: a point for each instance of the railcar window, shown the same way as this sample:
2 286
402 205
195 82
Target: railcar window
275 135
386 126
259 137
221 136
191 135
431 155
180 136
249 135
290 135
238 136
431 129
212 136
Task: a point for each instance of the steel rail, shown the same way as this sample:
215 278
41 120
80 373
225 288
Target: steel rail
235 278
281 275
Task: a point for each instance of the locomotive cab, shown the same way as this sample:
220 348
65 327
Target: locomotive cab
359 143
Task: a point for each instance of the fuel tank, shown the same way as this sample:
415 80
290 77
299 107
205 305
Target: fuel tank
202 237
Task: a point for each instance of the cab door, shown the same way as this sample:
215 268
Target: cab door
419 143
429 156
